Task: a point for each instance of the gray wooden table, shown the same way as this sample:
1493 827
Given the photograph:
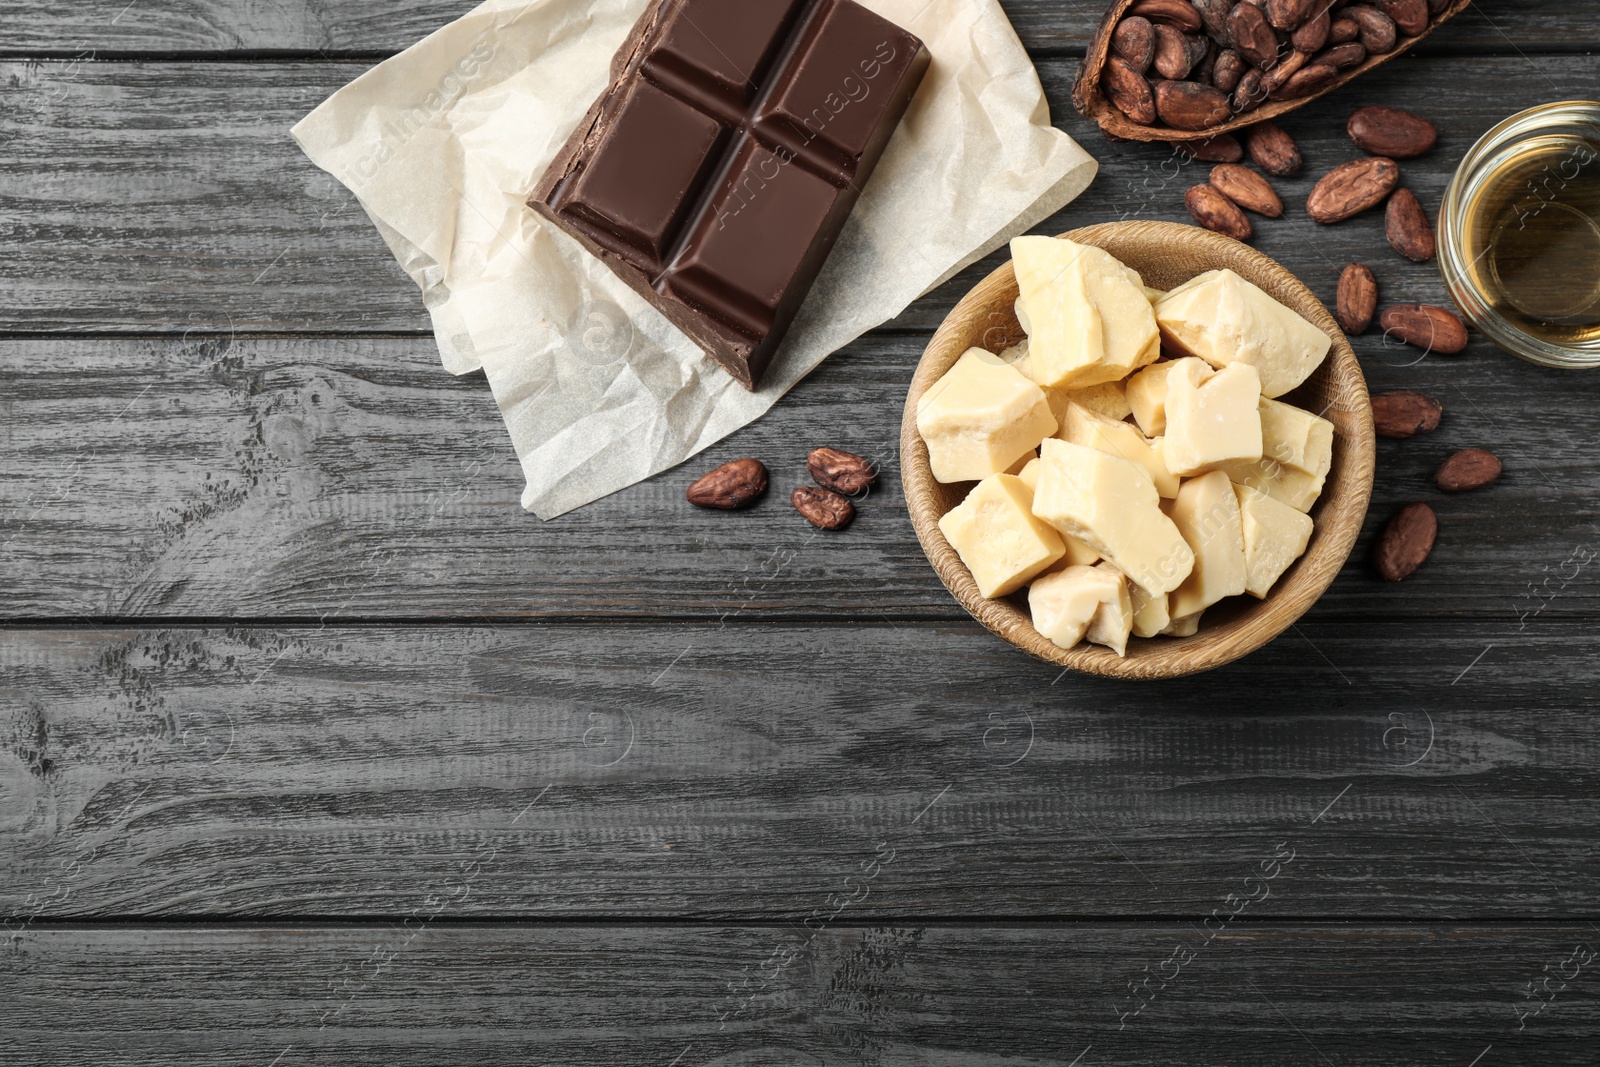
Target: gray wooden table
317 750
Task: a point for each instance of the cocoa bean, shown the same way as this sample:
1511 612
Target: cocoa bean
1273 150
1134 40
1388 131
1229 69
1214 14
823 508
1312 36
1403 413
1252 35
1172 59
1407 227
1378 32
1249 93
1358 298
731 486
1213 210
1343 56
1351 188
1128 91
1288 15
1343 30
1247 189
843 472
1308 82
1406 542
1433 328
1471 468
1279 75
1190 105
1409 16
1179 13
1223 148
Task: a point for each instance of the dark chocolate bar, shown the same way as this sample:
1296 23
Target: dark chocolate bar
716 171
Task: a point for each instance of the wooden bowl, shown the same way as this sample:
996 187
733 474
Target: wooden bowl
1166 255
1090 99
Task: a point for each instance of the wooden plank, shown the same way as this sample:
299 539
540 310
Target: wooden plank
168 197
369 26
354 479
1421 771
1432 995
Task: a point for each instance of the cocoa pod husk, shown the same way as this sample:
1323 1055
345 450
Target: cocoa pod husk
1188 105
1388 131
1405 413
823 508
1426 326
1357 300
1273 150
1406 542
844 472
1213 210
1406 225
1351 188
1247 189
1469 469
731 486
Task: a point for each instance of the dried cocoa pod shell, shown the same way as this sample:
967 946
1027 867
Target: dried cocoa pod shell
1135 41
1343 56
1435 329
1404 413
1351 188
1309 82
731 486
1273 150
1312 36
1213 210
1223 148
1407 227
1229 69
1388 131
1409 16
1187 105
1247 189
844 472
1357 301
1179 13
1173 58
1252 35
1289 15
1128 90
1378 31
1471 468
1092 97
823 508
1406 542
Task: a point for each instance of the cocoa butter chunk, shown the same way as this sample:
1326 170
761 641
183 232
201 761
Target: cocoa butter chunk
1223 319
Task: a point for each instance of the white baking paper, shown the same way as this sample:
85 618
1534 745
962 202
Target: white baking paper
443 143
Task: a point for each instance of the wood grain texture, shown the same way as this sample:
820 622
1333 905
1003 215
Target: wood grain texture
353 479
701 771
1428 995
372 26
1165 256
168 197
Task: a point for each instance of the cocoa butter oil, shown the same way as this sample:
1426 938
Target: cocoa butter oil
1520 232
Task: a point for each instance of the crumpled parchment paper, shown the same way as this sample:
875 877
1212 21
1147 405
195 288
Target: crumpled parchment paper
442 144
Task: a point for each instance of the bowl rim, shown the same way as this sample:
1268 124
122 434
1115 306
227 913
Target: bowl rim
1341 510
